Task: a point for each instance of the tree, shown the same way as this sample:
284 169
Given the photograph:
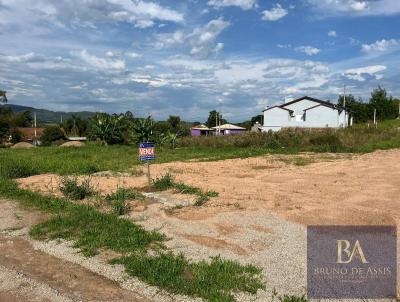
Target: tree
174 123
361 111
51 134
212 117
257 118
4 130
3 97
386 107
21 119
75 126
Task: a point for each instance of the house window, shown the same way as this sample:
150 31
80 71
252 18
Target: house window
304 116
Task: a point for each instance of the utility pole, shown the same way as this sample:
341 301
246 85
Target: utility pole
344 96
35 140
216 122
344 105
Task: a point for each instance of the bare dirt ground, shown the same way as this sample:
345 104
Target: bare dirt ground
362 190
263 207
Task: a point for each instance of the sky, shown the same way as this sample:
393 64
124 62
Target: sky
189 57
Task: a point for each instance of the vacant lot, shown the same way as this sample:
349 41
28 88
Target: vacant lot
263 206
308 189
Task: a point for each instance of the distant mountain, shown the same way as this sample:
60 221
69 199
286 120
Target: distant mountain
49 117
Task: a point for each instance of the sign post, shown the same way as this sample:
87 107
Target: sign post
147 153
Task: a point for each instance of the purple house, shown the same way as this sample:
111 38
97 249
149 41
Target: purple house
200 130
229 129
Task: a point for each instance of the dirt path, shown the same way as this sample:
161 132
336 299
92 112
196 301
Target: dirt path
28 274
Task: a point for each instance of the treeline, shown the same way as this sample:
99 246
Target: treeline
123 128
10 121
386 106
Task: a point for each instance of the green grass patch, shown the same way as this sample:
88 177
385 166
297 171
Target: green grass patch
167 181
215 281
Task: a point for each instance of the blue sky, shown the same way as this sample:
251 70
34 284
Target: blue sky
189 57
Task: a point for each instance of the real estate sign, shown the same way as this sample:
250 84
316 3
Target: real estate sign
147 151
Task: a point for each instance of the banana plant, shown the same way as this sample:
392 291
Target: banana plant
143 128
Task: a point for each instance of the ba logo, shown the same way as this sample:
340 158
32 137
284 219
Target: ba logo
347 253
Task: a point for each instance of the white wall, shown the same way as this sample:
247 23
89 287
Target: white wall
318 117
300 106
275 117
321 117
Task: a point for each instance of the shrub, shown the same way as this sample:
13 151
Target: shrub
125 194
71 189
119 198
16 136
51 134
120 207
327 142
164 182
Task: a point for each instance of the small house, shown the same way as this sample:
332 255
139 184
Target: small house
229 129
200 130
306 112
30 134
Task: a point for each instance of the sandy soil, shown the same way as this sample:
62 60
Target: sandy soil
362 190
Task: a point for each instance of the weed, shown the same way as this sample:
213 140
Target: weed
287 298
119 198
71 189
201 200
125 194
164 182
167 181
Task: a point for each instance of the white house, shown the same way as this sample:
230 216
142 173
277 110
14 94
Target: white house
306 112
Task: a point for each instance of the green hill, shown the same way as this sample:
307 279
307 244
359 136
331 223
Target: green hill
49 117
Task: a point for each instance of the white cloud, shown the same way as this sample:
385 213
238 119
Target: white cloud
284 45
243 4
18 58
355 7
275 13
359 6
143 13
44 14
201 40
133 55
359 74
380 46
332 33
308 50
99 63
